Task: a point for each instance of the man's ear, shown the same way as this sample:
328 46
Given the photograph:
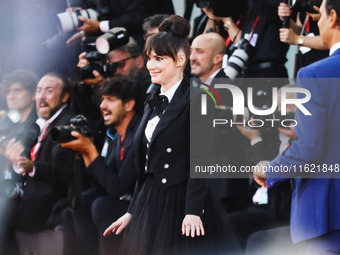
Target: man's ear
333 16
129 105
65 97
218 58
140 62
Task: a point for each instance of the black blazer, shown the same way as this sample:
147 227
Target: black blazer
45 194
169 149
114 176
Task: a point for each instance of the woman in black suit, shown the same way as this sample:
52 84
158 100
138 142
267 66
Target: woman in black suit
168 208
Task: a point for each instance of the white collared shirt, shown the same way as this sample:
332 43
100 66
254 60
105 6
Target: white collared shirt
42 123
334 48
211 77
150 127
171 92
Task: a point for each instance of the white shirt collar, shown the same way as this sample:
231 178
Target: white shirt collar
212 76
42 123
334 48
170 93
214 73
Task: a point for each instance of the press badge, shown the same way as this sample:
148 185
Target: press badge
253 39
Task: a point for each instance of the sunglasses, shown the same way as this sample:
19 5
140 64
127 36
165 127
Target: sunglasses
121 64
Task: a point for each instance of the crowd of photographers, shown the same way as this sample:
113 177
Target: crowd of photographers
81 176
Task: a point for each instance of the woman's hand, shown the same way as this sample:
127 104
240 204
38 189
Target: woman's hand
119 225
192 224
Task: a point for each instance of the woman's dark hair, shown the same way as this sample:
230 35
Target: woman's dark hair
172 37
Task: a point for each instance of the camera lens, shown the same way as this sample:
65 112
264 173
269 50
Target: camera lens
113 39
70 22
62 134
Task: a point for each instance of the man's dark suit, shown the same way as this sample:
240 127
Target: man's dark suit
45 194
233 144
113 180
315 202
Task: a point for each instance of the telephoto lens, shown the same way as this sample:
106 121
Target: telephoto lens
70 22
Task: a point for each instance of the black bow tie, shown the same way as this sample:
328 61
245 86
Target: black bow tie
162 103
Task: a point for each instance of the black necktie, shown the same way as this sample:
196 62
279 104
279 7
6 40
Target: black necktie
162 103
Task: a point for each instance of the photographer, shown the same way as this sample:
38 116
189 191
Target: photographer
127 13
113 172
206 57
48 170
126 60
19 88
261 28
256 35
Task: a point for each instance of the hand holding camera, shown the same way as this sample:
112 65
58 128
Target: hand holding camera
78 137
89 25
97 80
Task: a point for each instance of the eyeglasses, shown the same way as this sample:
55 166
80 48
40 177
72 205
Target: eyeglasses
121 64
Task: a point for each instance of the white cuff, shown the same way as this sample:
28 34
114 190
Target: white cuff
104 26
255 141
32 174
17 169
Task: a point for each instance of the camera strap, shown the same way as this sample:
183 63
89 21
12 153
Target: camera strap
255 22
36 147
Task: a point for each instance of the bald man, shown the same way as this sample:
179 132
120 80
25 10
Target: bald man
207 51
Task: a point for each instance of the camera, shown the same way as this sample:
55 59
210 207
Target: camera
304 5
240 54
224 8
97 62
98 49
62 134
69 21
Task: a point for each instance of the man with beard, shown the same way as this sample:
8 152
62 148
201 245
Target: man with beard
113 172
49 168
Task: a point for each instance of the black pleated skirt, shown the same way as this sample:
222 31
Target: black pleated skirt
156 225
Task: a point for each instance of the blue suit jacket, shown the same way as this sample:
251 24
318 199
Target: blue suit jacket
315 201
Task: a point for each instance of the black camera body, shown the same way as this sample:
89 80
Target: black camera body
97 62
98 49
62 134
304 5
